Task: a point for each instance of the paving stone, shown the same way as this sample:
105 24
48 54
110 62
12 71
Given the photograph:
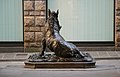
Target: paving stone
118 52
10 73
103 54
1 56
94 54
108 73
112 53
9 55
108 62
23 56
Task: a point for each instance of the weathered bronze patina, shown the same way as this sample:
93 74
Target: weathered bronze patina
63 51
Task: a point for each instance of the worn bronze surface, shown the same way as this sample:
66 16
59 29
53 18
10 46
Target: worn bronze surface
54 42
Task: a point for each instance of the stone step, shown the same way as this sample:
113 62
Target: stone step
107 48
11 49
21 49
98 55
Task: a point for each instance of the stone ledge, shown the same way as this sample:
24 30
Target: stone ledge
98 48
22 56
24 59
4 60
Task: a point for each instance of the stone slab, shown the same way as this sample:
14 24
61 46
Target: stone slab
59 64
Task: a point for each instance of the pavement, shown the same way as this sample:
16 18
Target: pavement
98 55
104 68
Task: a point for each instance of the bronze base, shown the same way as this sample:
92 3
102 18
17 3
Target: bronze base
60 64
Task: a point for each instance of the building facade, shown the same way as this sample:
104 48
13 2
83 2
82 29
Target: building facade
34 20
34 17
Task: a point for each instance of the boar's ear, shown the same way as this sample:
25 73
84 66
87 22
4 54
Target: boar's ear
57 11
49 12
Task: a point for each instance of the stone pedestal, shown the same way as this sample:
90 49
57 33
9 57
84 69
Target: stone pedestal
60 64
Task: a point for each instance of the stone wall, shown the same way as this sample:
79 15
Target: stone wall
117 23
34 20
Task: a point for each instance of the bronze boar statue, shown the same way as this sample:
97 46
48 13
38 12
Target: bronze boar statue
63 51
